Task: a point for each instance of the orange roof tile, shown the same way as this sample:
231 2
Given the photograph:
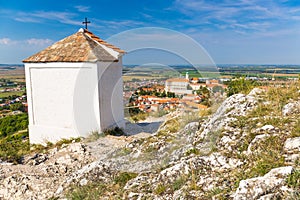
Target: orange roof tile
177 80
82 46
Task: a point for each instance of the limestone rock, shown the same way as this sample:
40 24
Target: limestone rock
255 142
292 150
235 105
200 161
256 188
292 144
291 108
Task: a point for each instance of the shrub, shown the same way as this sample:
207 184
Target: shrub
192 151
122 178
293 180
178 183
14 147
13 123
160 189
97 189
114 131
240 85
90 191
139 117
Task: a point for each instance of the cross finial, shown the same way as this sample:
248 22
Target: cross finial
86 22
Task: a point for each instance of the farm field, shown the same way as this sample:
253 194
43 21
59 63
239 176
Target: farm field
7 94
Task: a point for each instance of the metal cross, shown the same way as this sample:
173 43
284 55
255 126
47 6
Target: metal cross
86 22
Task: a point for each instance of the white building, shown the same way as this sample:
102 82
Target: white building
74 87
177 85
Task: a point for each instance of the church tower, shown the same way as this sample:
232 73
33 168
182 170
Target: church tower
74 87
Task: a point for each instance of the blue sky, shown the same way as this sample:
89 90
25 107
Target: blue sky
230 31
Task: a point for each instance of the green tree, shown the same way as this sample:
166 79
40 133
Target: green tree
13 123
218 88
240 85
17 106
170 94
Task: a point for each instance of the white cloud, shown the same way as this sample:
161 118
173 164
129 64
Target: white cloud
63 17
27 19
250 15
5 41
32 42
41 16
39 42
81 8
117 25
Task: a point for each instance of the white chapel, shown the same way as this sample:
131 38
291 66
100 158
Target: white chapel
74 87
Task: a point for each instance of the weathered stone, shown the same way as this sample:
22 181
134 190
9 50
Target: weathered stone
267 127
200 161
291 108
255 142
255 188
292 144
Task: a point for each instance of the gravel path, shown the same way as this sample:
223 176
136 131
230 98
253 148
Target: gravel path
104 146
150 125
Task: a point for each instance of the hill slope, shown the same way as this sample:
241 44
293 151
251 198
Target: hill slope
248 149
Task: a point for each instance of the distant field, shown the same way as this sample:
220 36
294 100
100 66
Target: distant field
278 69
281 75
7 94
129 78
17 74
203 74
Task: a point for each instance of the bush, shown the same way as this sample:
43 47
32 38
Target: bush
114 131
13 123
293 180
17 106
160 189
122 178
240 85
90 191
97 189
13 147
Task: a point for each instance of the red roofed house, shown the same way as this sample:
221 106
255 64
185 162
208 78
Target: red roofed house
74 87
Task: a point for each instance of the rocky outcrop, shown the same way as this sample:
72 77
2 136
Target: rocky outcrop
291 108
235 105
292 149
268 186
227 155
41 173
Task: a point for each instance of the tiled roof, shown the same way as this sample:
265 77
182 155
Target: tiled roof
177 80
82 46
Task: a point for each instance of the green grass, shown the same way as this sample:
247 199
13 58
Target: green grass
13 123
90 191
240 85
93 136
293 180
7 94
266 154
14 139
178 183
114 131
296 129
160 189
192 151
98 190
122 178
14 147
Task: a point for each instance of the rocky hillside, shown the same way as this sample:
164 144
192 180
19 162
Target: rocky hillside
248 149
